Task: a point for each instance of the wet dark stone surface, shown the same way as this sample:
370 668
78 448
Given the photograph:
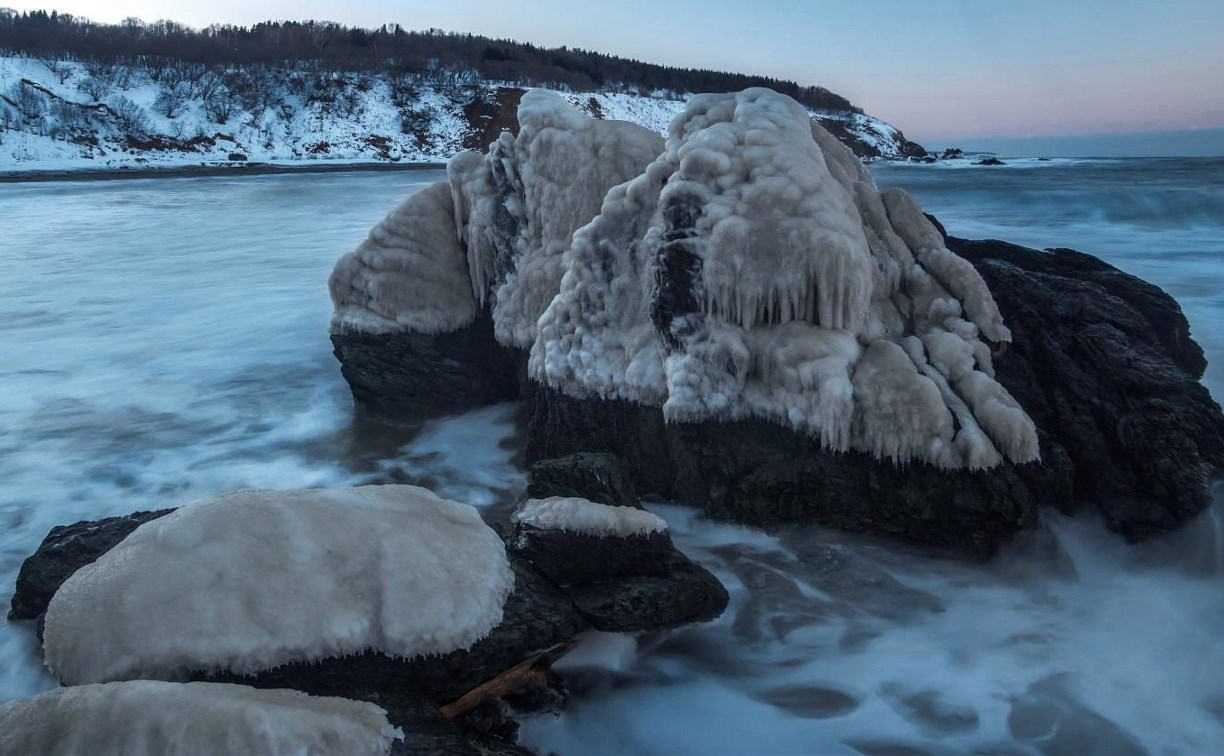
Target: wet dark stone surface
1104 364
410 377
587 475
566 558
66 549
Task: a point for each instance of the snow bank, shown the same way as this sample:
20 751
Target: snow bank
257 579
408 275
587 517
148 717
753 269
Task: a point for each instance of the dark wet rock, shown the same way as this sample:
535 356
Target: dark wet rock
566 558
687 594
952 153
758 473
931 712
1048 717
237 157
622 583
66 549
426 731
1104 364
595 476
810 702
989 161
415 376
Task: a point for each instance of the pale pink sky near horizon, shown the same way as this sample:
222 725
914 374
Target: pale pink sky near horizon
940 70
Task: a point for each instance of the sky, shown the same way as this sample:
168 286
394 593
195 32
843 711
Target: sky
944 71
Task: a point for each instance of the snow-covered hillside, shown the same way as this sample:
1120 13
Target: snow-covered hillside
68 115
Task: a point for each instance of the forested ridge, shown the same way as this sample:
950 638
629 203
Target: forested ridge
389 49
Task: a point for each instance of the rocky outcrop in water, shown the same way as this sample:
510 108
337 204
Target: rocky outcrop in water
1104 364
654 587
760 332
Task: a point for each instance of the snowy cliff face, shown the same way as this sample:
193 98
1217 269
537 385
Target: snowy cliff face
748 267
70 115
257 579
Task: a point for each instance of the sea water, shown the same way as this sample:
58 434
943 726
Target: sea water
163 340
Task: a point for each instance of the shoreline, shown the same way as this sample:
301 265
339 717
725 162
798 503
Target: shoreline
187 171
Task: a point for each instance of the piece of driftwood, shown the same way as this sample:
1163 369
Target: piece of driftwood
529 673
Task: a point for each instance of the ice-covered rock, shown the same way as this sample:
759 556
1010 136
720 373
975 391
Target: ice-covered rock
151 717
747 267
753 270
616 563
258 579
585 517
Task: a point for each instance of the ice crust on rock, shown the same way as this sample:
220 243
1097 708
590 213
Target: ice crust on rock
151 717
256 579
747 267
798 293
587 517
519 205
408 275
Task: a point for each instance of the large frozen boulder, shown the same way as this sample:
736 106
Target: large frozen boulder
259 579
753 270
150 717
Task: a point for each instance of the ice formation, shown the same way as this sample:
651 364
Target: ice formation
518 207
748 267
149 717
257 579
587 517
753 269
408 275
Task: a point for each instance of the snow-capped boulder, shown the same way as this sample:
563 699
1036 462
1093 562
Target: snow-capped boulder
150 717
259 579
585 517
575 540
616 563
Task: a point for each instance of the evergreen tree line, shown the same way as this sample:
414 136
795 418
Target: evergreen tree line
388 49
